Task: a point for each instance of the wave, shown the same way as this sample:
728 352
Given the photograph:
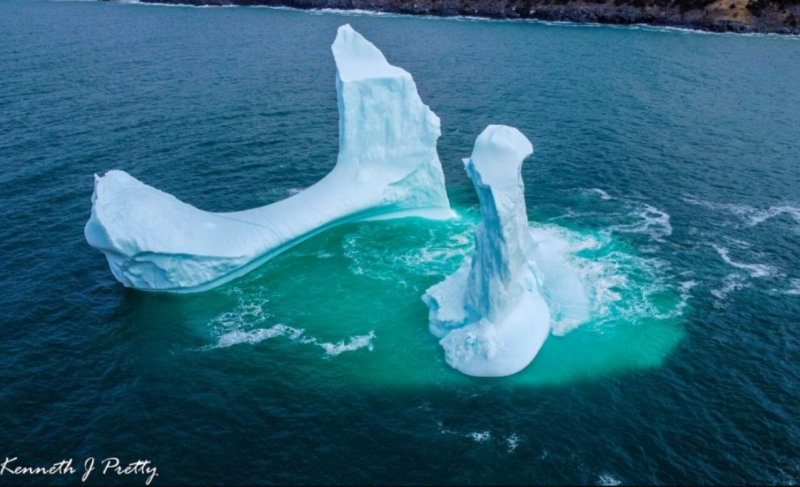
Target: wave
737 281
250 312
773 211
571 214
237 337
629 215
513 442
731 283
443 430
556 23
689 30
599 192
356 12
623 287
354 343
654 223
608 479
792 290
752 216
434 251
755 270
244 325
479 436
685 292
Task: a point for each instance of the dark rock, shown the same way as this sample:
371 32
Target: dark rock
678 13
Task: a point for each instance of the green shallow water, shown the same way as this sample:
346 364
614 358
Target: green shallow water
366 281
667 160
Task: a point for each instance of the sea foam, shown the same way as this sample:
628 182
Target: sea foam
750 215
755 270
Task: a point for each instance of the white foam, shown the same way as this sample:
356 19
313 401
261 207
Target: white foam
424 258
570 214
773 211
623 286
731 283
755 270
608 479
654 222
685 290
792 290
512 442
605 276
415 253
603 195
563 288
250 312
752 216
554 23
237 337
443 430
480 436
245 325
354 343
348 13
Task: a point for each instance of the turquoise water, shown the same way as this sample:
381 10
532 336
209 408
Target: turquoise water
668 160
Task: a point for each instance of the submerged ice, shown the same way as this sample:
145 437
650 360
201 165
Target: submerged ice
387 167
494 313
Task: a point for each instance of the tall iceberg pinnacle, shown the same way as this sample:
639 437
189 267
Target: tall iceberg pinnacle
387 167
490 314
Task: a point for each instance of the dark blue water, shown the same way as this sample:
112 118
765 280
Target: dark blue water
670 160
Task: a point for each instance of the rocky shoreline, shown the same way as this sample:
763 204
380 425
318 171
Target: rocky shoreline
742 16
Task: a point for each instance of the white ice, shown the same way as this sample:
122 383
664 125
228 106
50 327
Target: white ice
387 167
491 315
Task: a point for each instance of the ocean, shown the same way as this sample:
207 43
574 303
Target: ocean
669 160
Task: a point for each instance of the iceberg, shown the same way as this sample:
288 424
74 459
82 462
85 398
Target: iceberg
387 167
491 315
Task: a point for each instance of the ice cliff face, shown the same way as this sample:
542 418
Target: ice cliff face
387 167
387 136
491 314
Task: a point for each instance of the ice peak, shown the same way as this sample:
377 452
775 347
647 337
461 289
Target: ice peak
497 148
357 58
490 314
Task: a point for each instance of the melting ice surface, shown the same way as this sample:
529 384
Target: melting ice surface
491 314
387 167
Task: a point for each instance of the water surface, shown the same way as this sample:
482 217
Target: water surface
668 160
